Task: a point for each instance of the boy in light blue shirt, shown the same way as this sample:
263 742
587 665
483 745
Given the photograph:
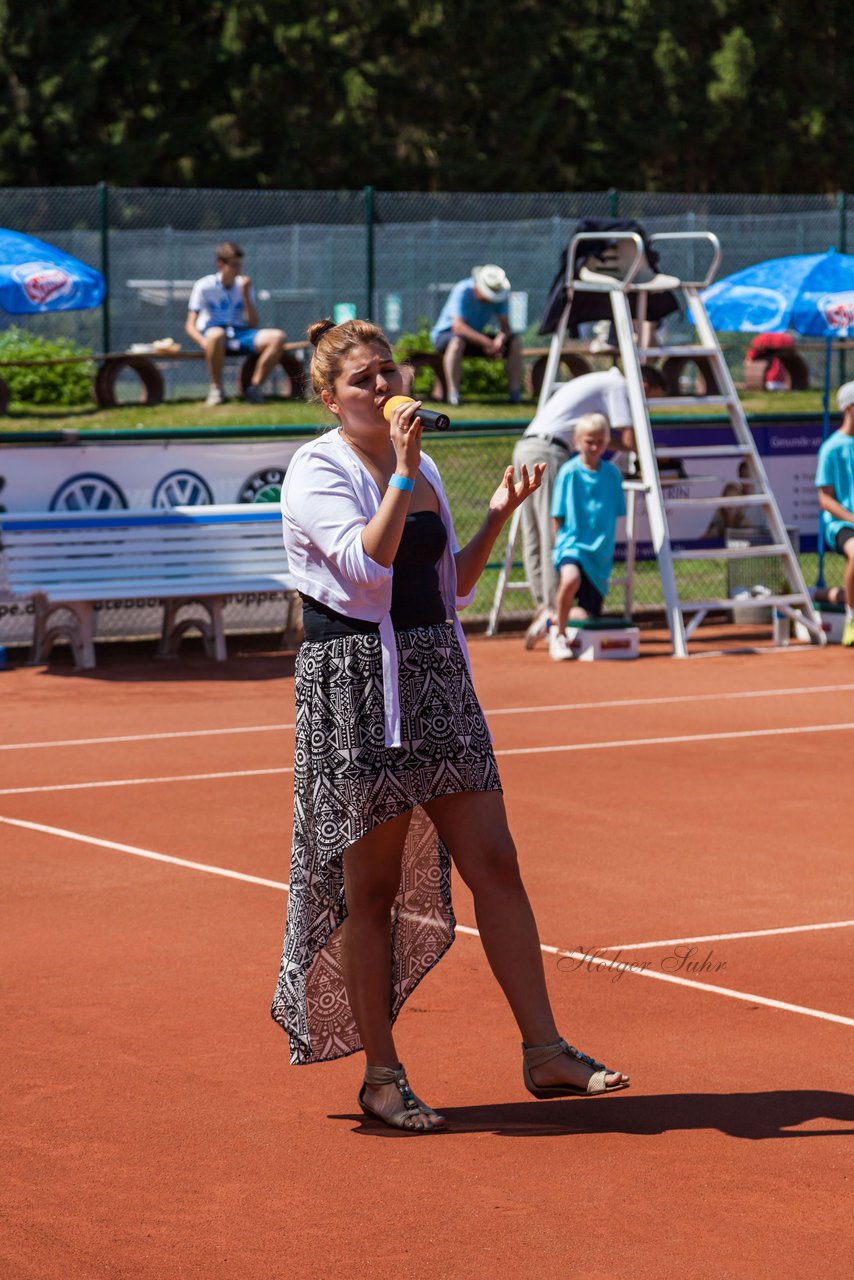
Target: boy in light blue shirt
834 480
587 502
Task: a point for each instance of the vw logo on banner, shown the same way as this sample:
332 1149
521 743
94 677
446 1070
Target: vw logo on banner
88 491
182 489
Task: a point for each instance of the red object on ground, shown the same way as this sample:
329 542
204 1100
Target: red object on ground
763 342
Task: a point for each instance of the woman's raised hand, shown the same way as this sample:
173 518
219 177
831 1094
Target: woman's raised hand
405 433
509 495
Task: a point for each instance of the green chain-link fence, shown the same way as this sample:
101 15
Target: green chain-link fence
392 256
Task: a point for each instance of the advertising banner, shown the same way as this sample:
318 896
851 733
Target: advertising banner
94 475
788 452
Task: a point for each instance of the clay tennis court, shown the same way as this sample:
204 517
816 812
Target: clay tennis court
667 814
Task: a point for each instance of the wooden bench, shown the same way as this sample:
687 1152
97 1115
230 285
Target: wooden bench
146 367
576 360
197 556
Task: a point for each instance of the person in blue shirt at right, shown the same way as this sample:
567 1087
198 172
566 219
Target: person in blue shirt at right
475 322
834 480
587 502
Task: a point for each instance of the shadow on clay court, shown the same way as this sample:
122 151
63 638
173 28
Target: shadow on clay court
123 663
261 656
754 1116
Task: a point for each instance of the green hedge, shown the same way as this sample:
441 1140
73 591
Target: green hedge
481 379
60 384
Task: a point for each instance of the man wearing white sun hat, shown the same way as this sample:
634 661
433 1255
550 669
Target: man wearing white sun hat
467 327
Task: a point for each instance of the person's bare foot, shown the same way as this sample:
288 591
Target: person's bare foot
386 1102
567 1070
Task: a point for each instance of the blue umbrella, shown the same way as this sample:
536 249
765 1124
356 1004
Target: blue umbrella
37 277
812 293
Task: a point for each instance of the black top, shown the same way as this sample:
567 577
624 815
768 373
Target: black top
415 597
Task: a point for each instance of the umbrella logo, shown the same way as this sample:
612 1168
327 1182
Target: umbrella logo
43 282
837 309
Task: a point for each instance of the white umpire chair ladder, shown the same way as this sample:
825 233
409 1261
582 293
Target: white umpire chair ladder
683 616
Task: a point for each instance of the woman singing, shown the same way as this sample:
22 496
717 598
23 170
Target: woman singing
394 770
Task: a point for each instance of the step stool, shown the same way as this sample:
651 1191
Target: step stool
607 638
832 619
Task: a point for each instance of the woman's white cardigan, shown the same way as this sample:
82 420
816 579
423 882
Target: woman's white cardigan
328 497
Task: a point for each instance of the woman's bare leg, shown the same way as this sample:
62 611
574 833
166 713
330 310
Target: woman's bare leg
473 826
372 869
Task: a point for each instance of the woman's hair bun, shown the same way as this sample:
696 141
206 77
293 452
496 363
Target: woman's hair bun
318 330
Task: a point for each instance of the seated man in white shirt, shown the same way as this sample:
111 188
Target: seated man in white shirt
549 439
223 317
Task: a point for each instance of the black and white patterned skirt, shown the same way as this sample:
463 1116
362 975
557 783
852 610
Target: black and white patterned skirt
346 782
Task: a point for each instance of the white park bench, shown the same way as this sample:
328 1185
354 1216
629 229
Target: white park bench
67 562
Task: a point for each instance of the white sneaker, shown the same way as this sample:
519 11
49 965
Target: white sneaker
559 650
538 628
453 398
215 396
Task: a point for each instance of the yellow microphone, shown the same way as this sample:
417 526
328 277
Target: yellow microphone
430 420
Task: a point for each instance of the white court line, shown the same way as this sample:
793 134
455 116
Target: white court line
137 852
555 951
612 745
674 699
727 937
143 853
556 707
140 782
677 738
143 737
707 986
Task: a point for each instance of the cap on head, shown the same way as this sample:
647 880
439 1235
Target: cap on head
845 396
491 282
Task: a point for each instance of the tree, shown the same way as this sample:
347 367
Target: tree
428 95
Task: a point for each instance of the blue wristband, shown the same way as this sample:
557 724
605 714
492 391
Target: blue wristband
401 482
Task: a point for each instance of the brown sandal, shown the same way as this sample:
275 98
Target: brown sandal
406 1116
538 1055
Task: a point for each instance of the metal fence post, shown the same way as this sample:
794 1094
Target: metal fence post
104 220
371 266
842 241
613 202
